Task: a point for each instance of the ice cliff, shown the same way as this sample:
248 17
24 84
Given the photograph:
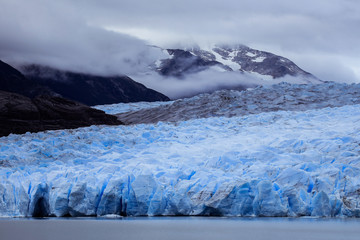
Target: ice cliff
280 163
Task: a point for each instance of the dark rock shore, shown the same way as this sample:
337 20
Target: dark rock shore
20 114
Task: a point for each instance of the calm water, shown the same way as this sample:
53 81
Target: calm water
179 228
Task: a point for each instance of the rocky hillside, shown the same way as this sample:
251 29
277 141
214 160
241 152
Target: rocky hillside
20 114
91 89
11 80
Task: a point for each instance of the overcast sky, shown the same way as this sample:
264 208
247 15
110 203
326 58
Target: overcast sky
110 36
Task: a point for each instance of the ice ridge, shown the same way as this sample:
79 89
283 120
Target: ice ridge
230 103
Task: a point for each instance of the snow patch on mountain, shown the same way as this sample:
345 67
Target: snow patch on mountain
158 64
259 59
225 61
250 54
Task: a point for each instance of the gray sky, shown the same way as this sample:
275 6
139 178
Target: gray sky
321 36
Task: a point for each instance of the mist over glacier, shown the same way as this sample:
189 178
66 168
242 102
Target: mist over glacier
208 81
55 35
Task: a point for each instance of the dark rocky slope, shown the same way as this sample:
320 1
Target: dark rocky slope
21 111
11 80
20 114
90 89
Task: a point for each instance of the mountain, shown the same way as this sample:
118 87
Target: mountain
91 89
224 58
21 111
11 80
182 62
34 80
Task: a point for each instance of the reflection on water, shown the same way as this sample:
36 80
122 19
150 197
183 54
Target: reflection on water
174 228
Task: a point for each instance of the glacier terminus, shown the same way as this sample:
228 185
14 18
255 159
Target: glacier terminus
276 163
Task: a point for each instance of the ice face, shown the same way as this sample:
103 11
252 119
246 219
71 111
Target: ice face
283 163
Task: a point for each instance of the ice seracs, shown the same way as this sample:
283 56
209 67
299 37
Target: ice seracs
277 163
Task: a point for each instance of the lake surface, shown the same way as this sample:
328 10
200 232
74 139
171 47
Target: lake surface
175 228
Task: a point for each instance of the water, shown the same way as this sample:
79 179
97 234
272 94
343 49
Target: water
177 228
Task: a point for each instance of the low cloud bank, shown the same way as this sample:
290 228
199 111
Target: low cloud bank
55 35
206 81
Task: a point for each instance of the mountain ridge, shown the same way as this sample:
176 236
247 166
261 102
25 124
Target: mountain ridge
91 89
230 103
237 58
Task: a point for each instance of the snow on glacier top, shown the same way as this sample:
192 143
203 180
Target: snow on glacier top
129 107
283 96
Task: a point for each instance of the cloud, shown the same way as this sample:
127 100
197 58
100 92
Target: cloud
328 66
54 35
303 31
191 84
206 81
321 36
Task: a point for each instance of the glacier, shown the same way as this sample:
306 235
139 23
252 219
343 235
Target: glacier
269 164
231 103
